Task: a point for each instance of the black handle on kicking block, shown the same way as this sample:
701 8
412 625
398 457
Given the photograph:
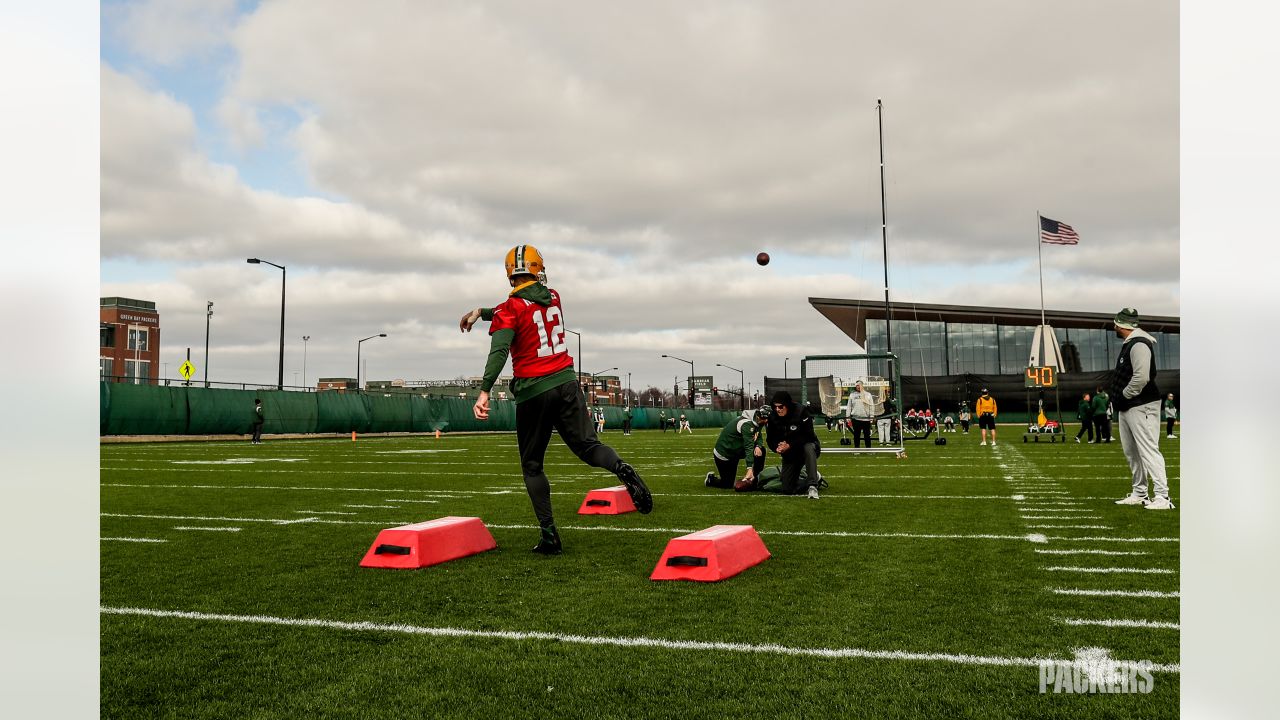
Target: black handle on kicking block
686 560
604 503
392 550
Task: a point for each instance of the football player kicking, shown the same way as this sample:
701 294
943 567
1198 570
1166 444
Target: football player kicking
529 326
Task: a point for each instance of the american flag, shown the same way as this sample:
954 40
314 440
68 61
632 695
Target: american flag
1056 233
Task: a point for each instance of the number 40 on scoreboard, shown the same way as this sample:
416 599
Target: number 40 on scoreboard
1041 377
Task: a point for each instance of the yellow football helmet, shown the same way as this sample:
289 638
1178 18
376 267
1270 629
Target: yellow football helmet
525 260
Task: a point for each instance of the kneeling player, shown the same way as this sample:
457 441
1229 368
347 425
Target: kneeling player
529 327
739 440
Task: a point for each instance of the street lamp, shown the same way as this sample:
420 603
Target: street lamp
578 359
593 375
207 317
691 374
358 356
742 388
256 261
305 338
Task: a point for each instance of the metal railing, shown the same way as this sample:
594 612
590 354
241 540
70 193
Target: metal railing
179 382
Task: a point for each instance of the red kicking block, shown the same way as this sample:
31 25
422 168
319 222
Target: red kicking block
719 552
607 501
428 543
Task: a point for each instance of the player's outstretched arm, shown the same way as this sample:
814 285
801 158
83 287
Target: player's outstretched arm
469 319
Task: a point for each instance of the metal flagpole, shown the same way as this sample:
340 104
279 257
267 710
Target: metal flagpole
1040 262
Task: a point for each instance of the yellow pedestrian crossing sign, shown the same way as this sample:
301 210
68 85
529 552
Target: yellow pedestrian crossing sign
186 370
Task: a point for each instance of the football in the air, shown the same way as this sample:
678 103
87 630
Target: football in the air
762 258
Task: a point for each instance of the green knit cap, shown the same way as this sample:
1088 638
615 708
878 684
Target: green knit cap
1127 318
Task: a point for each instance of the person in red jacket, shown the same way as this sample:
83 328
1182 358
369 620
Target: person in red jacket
529 326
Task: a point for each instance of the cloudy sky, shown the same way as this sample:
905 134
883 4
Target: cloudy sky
389 154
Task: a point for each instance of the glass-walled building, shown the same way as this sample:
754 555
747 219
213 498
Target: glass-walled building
954 339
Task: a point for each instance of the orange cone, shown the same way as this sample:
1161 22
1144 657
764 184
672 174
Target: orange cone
437 434
607 501
719 552
353 436
428 543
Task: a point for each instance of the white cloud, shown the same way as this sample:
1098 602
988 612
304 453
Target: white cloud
163 199
168 32
730 126
242 124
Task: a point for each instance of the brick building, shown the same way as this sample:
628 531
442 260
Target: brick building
128 340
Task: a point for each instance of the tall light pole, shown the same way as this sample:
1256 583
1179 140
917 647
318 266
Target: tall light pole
256 261
578 359
305 338
784 367
358 344
207 317
691 374
742 387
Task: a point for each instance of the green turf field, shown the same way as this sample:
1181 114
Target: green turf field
928 586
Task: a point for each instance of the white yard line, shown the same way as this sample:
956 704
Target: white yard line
1070 527
1086 551
1061 517
1121 623
211 529
572 470
375 507
1035 538
505 490
1116 593
1098 538
229 519
598 640
324 512
133 540
1149 571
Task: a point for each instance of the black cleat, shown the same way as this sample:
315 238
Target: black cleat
549 543
636 488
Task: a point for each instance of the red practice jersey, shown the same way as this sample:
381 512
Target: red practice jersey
538 347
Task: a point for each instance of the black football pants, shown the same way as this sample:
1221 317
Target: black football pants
807 458
1086 427
861 430
564 409
727 471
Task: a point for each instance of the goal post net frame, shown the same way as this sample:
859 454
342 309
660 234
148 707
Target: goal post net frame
824 366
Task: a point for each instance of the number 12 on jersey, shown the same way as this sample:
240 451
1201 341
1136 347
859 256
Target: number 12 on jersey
550 331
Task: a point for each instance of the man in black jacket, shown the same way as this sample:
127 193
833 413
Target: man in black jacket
257 421
790 434
1137 401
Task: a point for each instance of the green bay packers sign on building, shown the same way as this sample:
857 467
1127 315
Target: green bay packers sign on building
700 386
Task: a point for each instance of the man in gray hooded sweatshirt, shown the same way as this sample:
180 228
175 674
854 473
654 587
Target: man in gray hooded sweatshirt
1136 398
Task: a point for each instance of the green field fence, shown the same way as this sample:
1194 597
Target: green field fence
127 409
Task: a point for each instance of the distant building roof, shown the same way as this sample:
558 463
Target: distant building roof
851 316
127 303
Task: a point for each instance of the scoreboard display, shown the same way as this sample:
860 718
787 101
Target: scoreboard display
1041 377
